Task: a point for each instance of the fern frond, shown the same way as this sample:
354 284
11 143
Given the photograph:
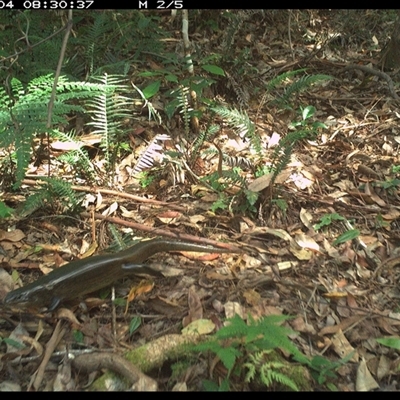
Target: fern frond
242 94
237 161
269 374
109 108
52 191
237 20
242 124
152 152
23 114
302 84
78 158
282 77
203 137
184 105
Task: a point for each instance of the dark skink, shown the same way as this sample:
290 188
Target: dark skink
90 274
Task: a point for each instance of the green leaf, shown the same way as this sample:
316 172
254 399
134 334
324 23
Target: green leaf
210 386
228 356
119 301
5 211
148 74
327 219
134 324
308 112
13 343
171 78
214 69
317 125
78 336
393 342
349 235
151 90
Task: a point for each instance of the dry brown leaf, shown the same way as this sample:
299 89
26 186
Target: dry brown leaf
15 235
111 209
169 217
306 242
342 347
66 146
387 326
252 297
144 286
261 183
306 218
232 308
391 215
364 381
195 311
67 314
342 325
299 325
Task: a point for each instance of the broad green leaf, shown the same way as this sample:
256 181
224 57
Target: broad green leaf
393 342
308 112
151 90
349 235
134 324
5 211
214 69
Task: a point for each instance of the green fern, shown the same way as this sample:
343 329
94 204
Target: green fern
203 136
267 370
304 129
300 85
292 88
23 112
78 159
241 123
264 334
183 103
53 191
109 108
280 79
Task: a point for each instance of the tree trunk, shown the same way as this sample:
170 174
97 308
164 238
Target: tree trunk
391 52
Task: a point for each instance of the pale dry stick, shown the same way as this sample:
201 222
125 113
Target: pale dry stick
133 197
58 334
290 34
116 363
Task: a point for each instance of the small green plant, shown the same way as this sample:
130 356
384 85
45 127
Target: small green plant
5 211
327 220
24 109
46 194
323 369
281 204
305 129
268 371
291 87
390 184
238 340
134 325
395 169
145 179
347 236
380 222
221 203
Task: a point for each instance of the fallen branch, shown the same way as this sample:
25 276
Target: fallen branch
376 72
162 232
